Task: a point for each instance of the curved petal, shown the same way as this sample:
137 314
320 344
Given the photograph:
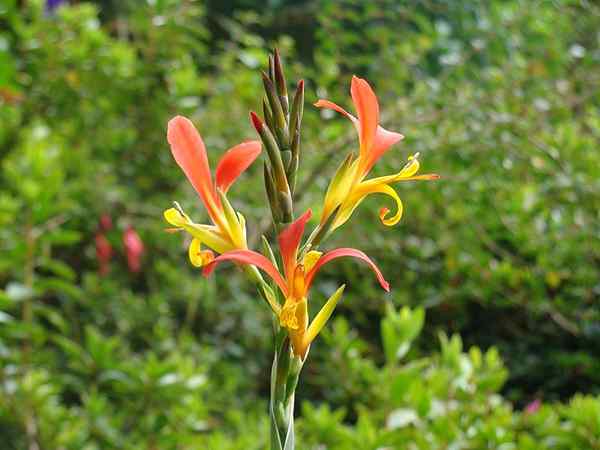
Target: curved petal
367 109
338 253
321 103
234 162
381 188
384 139
189 152
289 241
199 257
252 258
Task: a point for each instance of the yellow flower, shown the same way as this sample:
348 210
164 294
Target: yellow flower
348 187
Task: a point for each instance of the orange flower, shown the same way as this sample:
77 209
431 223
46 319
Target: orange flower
349 187
295 281
228 229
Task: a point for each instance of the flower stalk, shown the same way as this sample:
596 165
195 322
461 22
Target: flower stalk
280 135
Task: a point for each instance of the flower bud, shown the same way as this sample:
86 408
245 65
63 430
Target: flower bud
104 253
134 248
279 118
280 83
277 167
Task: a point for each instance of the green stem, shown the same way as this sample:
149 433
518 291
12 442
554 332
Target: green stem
284 379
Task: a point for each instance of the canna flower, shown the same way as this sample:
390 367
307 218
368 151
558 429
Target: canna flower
295 281
228 229
349 187
134 248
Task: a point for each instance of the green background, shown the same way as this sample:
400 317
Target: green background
501 98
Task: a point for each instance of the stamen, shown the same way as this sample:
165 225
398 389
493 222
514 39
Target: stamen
179 209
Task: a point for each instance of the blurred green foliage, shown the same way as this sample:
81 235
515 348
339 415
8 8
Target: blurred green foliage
501 98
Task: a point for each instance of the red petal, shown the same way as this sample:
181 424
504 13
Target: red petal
252 258
234 162
367 109
289 241
338 253
189 152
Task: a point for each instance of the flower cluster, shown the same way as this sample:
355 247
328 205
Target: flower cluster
293 273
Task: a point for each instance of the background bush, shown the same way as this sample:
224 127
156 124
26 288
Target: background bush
500 97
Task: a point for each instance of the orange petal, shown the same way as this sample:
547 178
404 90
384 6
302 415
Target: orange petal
338 253
289 241
234 162
367 109
384 139
252 258
190 154
330 105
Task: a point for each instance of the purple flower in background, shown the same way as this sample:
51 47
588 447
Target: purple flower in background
533 407
51 5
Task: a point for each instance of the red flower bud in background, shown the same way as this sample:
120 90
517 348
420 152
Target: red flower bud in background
134 248
103 253
105 222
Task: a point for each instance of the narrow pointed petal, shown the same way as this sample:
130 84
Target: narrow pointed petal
236 227
234 162
339 187
252 258
321 103
407 173
323 316
367 109
289 241
189 152
340 252
345 211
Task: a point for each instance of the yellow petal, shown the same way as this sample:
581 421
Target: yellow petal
207 234
364 189
287 316
340 187
346 210
175 218
310 259
383 212
323 316
405 174
199 257
235 230
411 168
